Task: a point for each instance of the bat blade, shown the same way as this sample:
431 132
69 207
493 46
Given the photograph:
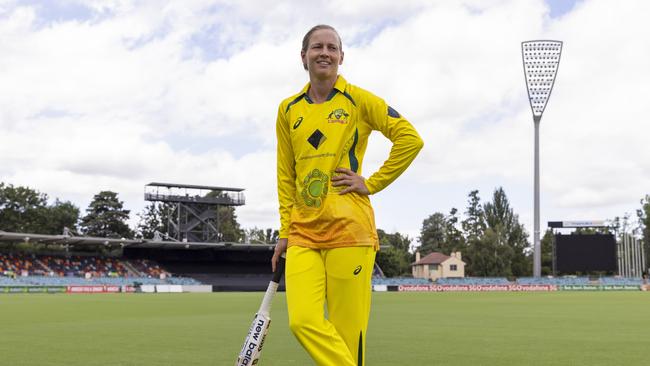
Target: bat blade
252 349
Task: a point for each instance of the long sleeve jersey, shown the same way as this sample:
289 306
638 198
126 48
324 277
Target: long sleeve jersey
315 139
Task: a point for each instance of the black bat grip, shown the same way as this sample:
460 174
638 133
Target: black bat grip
279 269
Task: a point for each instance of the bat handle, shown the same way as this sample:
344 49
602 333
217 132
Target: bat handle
279 269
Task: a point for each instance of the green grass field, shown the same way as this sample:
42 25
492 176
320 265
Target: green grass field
563 328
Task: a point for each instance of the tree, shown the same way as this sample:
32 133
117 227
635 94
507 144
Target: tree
496 243
440 233
433 234
272 236
60 215
473 230
623 225
106 217
154 218
260 236
454 236
396 259
22 209
490 257
474 224
547 253
229 228
643 215
501 219
25 210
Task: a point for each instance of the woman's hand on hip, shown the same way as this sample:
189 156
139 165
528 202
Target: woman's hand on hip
353 181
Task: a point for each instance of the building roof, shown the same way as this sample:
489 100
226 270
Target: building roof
433 258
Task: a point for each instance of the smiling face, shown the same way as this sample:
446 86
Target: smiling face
323 54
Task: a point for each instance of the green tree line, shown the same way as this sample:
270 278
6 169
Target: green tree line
23 209
490 238
489 235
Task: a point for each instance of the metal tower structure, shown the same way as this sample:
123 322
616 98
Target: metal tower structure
541 60
194 209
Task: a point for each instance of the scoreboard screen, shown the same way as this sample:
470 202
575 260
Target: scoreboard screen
585 253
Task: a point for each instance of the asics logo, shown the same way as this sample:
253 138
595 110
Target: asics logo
357 270
298 122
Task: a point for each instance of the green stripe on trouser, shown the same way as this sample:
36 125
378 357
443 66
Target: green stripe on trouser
360 350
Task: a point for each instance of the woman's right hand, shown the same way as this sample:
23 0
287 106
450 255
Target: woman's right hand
280 248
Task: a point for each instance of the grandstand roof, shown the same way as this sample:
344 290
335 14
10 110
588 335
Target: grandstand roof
131 243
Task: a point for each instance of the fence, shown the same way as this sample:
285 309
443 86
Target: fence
631 256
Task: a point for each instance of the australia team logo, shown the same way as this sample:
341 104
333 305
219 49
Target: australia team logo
338 115
314 188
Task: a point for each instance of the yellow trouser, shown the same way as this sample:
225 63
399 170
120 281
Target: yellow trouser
342 277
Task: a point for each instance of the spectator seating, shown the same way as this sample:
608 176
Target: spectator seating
148 268
46 270
474 281
16 263
560 281
623 281
79 266
109 281
396 281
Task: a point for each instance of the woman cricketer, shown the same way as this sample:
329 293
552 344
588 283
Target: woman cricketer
327 223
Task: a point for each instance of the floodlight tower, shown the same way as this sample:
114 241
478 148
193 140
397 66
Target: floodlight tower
541 60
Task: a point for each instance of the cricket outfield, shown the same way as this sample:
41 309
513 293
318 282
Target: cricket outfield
501 328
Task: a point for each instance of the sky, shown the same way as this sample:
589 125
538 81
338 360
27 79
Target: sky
112 95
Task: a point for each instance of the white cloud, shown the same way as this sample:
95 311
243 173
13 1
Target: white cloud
93 105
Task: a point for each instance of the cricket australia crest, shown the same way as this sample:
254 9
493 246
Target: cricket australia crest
338 115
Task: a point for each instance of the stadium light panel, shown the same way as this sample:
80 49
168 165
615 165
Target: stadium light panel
541 60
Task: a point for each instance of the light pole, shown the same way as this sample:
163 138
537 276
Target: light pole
541 60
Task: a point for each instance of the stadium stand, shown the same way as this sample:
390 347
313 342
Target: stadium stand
225 271
16 263
147 268
114 281
396 281
79 266
622 281
49 270
233 270
474 281
560 281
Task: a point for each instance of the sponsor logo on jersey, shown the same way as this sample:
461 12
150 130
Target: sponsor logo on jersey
357 270
338 115
316 139
297 123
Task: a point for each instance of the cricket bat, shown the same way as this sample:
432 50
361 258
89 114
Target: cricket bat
252 348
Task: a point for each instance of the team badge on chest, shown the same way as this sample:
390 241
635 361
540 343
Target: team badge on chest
338 115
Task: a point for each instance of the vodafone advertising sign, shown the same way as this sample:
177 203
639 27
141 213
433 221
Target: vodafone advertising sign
475 288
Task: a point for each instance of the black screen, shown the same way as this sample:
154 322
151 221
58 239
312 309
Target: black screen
585 253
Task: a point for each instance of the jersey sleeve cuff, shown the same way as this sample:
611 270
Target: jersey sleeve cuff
372 188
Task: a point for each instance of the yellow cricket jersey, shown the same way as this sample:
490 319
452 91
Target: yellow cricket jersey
315 139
